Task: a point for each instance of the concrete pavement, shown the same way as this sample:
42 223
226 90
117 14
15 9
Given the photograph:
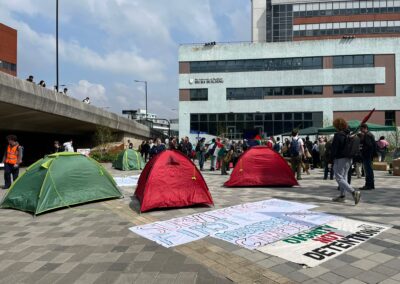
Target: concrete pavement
92 243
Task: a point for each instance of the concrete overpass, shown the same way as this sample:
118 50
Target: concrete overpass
39 116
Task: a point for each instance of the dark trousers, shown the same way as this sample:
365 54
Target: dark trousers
369 172
8 171
328 170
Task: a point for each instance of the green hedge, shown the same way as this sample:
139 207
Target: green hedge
103 157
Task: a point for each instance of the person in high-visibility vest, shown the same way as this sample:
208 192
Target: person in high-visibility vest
12 160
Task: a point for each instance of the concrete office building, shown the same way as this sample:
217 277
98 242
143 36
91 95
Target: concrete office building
8 50
305 79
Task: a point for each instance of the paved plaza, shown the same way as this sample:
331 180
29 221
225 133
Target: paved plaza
92 243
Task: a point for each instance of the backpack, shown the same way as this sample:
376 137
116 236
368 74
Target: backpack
277 147
294 147
352 146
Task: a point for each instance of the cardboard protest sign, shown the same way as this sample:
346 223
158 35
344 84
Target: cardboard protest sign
317 245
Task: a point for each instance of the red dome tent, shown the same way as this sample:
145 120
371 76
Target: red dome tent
171 180
261 166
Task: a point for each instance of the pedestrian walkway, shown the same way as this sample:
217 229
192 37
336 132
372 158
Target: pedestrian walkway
92 243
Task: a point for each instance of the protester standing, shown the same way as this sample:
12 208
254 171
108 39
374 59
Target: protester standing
157 148
341 162
368 151
328 161
201 152
145 150
57 146
68 146
12 159
278 145
296 151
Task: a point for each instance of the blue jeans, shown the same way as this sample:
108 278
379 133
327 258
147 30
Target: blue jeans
8 171
201 158
369 172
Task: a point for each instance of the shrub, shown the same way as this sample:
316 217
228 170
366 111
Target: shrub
107 157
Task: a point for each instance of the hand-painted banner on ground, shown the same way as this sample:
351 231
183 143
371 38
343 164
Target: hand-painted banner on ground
256 217
127 181
279 226
322 243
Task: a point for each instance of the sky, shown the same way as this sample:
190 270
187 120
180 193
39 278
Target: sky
104 45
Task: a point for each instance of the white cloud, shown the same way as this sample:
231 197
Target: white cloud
96 92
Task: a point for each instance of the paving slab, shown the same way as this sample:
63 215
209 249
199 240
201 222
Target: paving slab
92 244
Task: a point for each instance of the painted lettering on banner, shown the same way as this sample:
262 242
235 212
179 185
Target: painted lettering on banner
325 242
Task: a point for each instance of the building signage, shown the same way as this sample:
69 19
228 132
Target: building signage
206 81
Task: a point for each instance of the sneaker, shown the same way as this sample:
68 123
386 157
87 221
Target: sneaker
340 199
356 196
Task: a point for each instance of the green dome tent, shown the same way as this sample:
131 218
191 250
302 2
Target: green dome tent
129 160
60 180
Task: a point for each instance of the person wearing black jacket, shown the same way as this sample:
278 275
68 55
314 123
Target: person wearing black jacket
342 163
368 150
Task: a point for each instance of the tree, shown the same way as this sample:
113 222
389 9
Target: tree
102 137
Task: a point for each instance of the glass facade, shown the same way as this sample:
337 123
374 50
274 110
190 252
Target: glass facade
354 89
272 64
8 66
353 61
199 94
282 23
236 124
279 25
263 92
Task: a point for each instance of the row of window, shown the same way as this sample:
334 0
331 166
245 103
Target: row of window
260 93
263 92
8 66
346 8
354 89
347 31
279 64
270 123
348 25
232 117
274 64
353 61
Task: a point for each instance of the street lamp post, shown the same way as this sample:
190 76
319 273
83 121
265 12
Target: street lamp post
145 90
57 45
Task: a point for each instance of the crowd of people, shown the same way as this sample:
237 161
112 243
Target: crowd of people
340 155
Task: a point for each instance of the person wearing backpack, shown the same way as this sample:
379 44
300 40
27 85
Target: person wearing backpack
368 152
278 145
296 151
343 145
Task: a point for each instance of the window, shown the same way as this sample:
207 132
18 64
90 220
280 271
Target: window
199 94
354 89
390 118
